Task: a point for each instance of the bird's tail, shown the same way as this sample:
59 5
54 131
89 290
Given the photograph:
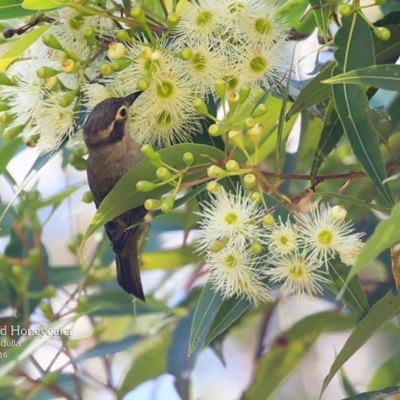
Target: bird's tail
128 272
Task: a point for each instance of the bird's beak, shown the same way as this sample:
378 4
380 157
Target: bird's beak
132 97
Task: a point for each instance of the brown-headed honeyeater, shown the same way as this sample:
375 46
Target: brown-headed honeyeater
112 152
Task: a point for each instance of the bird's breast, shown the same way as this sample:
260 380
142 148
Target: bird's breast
105 168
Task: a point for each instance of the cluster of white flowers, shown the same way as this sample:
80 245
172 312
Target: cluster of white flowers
244 254
43 97
240 42
230 231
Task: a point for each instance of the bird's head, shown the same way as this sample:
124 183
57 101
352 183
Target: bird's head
108 122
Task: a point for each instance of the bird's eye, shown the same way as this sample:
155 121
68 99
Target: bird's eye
121 113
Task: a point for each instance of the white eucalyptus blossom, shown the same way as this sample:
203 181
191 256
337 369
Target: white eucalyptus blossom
237 272
233 216
323 235
300 274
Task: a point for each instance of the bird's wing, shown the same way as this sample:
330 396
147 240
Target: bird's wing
117 230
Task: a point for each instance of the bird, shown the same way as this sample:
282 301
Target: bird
111 153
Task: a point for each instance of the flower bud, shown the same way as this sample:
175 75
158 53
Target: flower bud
67 98
75 23
49 291
87 197
220 88
106 69
219 244
138 15
163 174
119 65
172 20
382 33
216 172
338 213
145 186
256 247
146 52
232 166
214 130
233 100
31 140
148 151
345 10
236 136
89 35
244 93
185 54
249 122
144 82
46 310
249 181
116 50
11 132
254 134
259 111
70 66
82 305
34 257
167 204
123 35
47 72
268 220
200 106
54 83
152 204
50 41
17 271
188 158
256 198
213 187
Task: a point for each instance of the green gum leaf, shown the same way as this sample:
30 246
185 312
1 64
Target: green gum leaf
379 314
21 45
352 103
379 76
386 234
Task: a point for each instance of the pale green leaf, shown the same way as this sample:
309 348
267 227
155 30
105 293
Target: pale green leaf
331 133
44 4
228 313
383 394
380 76
312 94
322 11
386 234
206 310
289 348
352 103
169 259
149 364
379 315
387 374
12 9
21 45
